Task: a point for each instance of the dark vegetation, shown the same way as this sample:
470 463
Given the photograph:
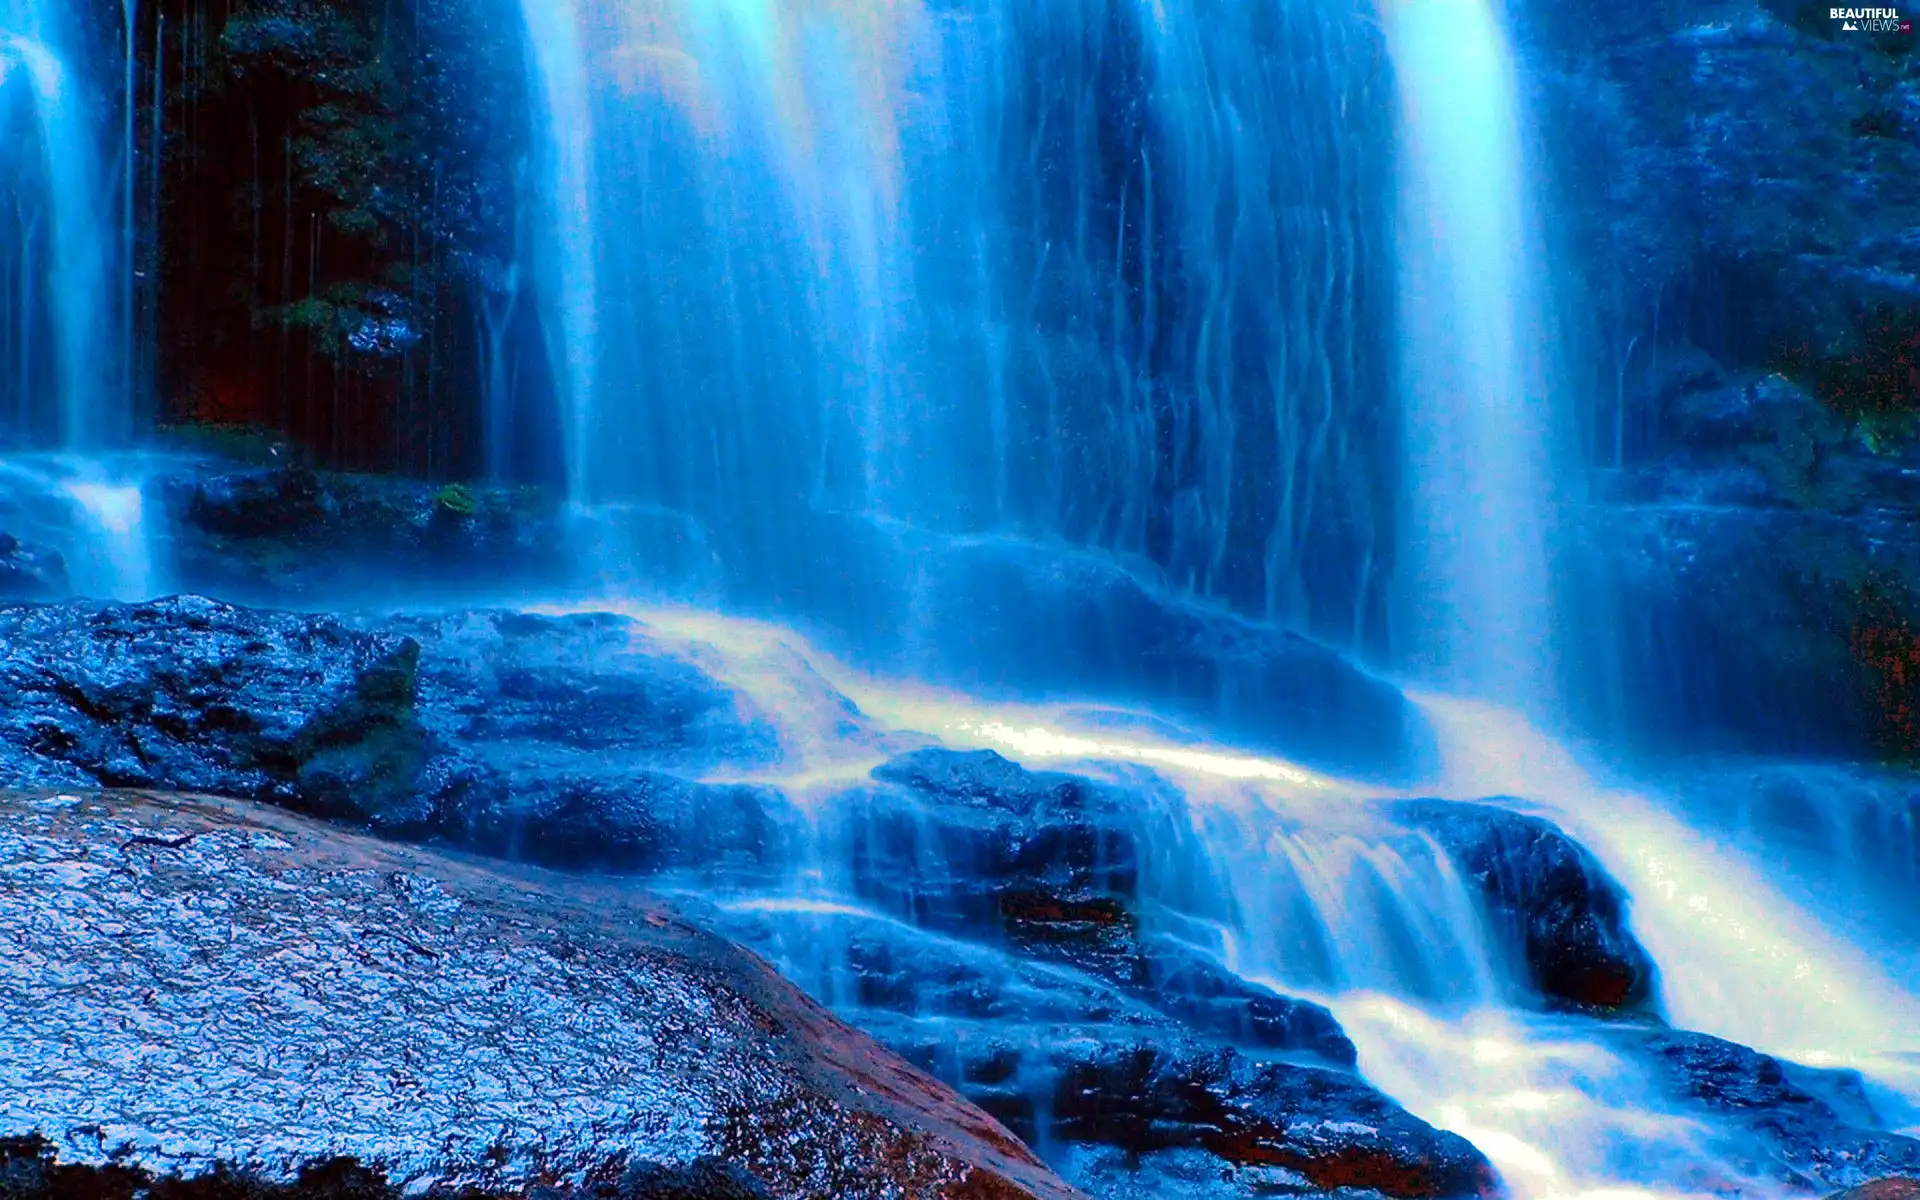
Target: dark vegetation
335 221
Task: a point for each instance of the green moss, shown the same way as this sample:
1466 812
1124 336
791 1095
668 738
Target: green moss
363 758
456 499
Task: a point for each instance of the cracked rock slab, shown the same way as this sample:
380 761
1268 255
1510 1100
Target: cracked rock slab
188 983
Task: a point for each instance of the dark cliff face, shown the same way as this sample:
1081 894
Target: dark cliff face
1735 189
335 232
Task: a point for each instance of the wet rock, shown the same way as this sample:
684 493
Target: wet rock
30 1169
193 984
968 837
285 502
1812 1128
1049 863
191 695
1266 1123
1898 1188
567 741
1734 614
621 821
532 688
1742 171
281 534
1205 997
1328 1127
1561 915
30 572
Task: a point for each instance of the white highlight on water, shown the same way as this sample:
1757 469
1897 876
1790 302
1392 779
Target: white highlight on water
93 512
1746 963
1471 343
115 549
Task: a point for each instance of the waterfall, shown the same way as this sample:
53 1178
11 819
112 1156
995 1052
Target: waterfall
53 168
1472 340
1104 273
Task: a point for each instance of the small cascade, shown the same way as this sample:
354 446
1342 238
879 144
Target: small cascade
1557 1109
92 511
115 554
1319 887
1760 969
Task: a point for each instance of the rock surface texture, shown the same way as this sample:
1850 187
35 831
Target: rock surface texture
191 983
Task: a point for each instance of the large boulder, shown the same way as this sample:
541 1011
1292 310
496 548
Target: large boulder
191 695
193 986
1261 1126
1321 1129
1559 914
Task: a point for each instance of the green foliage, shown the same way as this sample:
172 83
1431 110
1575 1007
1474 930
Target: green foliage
1871 379
329 318
347 133
456 499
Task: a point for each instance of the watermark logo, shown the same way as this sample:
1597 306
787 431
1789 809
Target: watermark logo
1871 20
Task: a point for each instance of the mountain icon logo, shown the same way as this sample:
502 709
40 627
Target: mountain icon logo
1850 26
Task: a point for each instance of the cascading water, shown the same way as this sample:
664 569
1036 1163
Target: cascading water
1097 272
1471 340
1107 275
1317 886
66 304
116 559
59 260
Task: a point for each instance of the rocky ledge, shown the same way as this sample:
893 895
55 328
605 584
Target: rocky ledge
581 742
194 986
288 534
1039 940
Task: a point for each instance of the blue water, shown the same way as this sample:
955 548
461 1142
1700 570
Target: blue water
829 280
1107 273
66 380
990 336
